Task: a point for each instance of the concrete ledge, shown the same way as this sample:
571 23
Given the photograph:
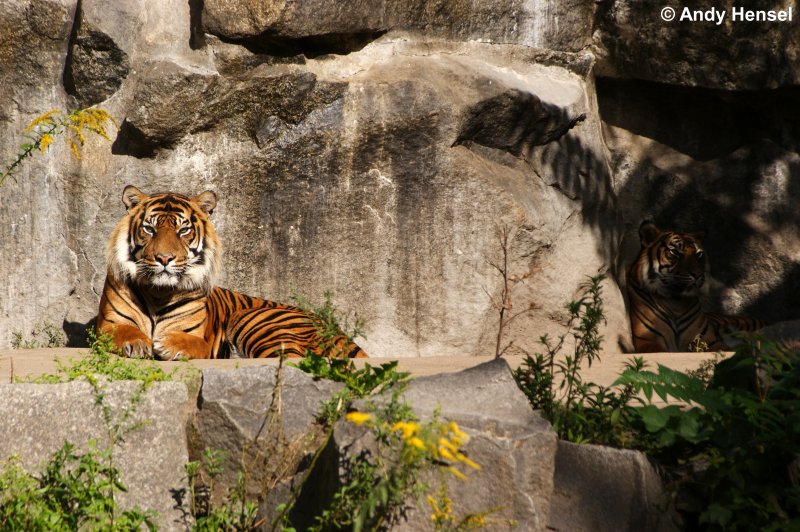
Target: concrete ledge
24 363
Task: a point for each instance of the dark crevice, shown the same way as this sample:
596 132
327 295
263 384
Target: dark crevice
703 123
197 37
312 46
131 141
67 78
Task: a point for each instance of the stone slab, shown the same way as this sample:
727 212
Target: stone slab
39 418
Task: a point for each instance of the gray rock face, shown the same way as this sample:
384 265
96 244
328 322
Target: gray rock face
39 418
515 447
375 152
599 488
633 41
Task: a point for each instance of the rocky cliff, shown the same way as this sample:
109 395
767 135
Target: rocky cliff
376 150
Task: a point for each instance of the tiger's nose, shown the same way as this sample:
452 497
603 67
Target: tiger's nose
164 258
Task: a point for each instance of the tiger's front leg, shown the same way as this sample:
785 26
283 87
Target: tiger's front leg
130 341
177 345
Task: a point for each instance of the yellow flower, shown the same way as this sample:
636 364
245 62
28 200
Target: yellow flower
456 473
459 437
74 148
464 460
447 444
358 418
409 429
444 453
45 141
416 442
47 117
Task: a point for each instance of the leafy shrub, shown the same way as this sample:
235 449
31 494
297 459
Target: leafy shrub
580 411
734 451
76 491
729 444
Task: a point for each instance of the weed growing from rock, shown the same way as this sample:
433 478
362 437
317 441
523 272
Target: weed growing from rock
77 490
378 486
73 125
330 324
503 304
46 335
236 512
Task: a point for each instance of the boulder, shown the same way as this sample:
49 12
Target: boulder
96 66
39 418
633 41
269 433
600 488
555 25
514 446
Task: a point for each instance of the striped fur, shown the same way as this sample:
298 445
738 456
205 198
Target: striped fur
158 300
664 295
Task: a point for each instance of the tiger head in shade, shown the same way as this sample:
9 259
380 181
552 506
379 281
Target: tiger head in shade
664 289
158 299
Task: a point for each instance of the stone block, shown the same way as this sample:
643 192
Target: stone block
39 418
600 488
514 447
270 433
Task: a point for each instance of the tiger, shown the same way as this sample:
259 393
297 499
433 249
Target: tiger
158 300
663 285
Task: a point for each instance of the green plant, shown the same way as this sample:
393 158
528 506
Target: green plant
103 359
44 335
75 492
360 382
235 514
734 451
580 411
330 324
378 485
43 130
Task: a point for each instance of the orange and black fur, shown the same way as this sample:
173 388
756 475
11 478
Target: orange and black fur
158 300
664 295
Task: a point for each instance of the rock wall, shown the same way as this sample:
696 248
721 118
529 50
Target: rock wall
376 152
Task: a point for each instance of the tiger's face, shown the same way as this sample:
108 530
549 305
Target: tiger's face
165 241
670 264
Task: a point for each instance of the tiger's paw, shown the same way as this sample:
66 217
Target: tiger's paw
178 346
138 349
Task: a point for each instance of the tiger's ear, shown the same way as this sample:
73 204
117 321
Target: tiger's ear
206 200
132 196
648 233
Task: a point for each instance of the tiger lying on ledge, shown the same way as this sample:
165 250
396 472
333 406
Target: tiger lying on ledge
664 291
158 300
